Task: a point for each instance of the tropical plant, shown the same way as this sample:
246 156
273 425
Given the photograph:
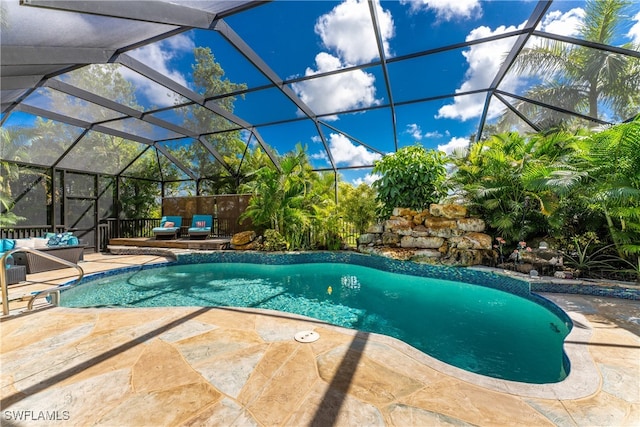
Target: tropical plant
8 172
13 145
413 177
273 241
612 189
489 179
358 205
579 78
282 199
629 265
586 254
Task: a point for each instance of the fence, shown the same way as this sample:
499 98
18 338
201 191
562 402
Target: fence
111 228
28 231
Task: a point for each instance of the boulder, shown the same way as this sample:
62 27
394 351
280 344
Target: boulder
397 223
471 241
420 231
246 247
365 239
421 242
466 257
420 217
375 229
430 256
563 275
243 238
442 234
391 239
403 212
436 223
448 211
471 224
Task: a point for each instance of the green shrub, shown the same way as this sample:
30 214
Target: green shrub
273 241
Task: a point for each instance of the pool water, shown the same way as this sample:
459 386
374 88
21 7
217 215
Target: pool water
473 327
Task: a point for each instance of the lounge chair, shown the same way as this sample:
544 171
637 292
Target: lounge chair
169 228
200 226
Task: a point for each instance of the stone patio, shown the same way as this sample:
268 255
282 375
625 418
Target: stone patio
231 366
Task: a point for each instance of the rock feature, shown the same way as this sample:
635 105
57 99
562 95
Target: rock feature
244 241
442 234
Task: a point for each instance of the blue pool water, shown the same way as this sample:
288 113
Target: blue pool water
476 328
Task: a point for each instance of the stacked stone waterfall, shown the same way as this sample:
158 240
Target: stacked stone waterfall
442 234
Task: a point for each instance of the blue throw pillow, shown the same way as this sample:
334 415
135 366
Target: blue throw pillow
7 245
62 239
55 240
73 241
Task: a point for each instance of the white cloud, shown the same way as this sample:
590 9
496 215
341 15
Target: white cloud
415 131
634 32
564 24
348 30
447 9
158 56
338 92
368 179
455 144
435 134
345 153
484 62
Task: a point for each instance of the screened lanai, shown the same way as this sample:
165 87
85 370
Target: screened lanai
104 100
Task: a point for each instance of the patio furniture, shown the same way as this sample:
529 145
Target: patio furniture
16 274
200 226
169 227
36 264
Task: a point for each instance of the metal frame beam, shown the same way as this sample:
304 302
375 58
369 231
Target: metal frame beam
157 12
533 21
239 44
385 72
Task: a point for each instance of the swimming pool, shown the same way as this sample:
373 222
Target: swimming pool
476 328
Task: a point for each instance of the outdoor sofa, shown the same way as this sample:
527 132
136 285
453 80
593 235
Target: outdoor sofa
63 245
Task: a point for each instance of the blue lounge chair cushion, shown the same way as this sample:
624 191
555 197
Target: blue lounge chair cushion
177 223
201 223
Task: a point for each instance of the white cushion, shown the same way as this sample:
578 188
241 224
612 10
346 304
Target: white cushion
40 243
24 243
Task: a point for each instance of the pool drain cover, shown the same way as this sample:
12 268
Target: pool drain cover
307 336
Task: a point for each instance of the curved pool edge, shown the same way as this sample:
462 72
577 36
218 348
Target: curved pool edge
583 379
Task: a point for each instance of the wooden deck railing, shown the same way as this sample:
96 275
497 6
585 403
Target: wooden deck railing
111 228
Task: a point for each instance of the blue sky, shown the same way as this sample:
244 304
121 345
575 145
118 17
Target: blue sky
301 38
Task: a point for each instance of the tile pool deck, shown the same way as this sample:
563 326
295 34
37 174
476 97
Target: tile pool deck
224 366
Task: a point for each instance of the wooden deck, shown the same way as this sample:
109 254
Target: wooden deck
150 242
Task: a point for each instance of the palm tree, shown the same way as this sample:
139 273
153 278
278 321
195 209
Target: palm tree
515 183
613 187
281 199
583 79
